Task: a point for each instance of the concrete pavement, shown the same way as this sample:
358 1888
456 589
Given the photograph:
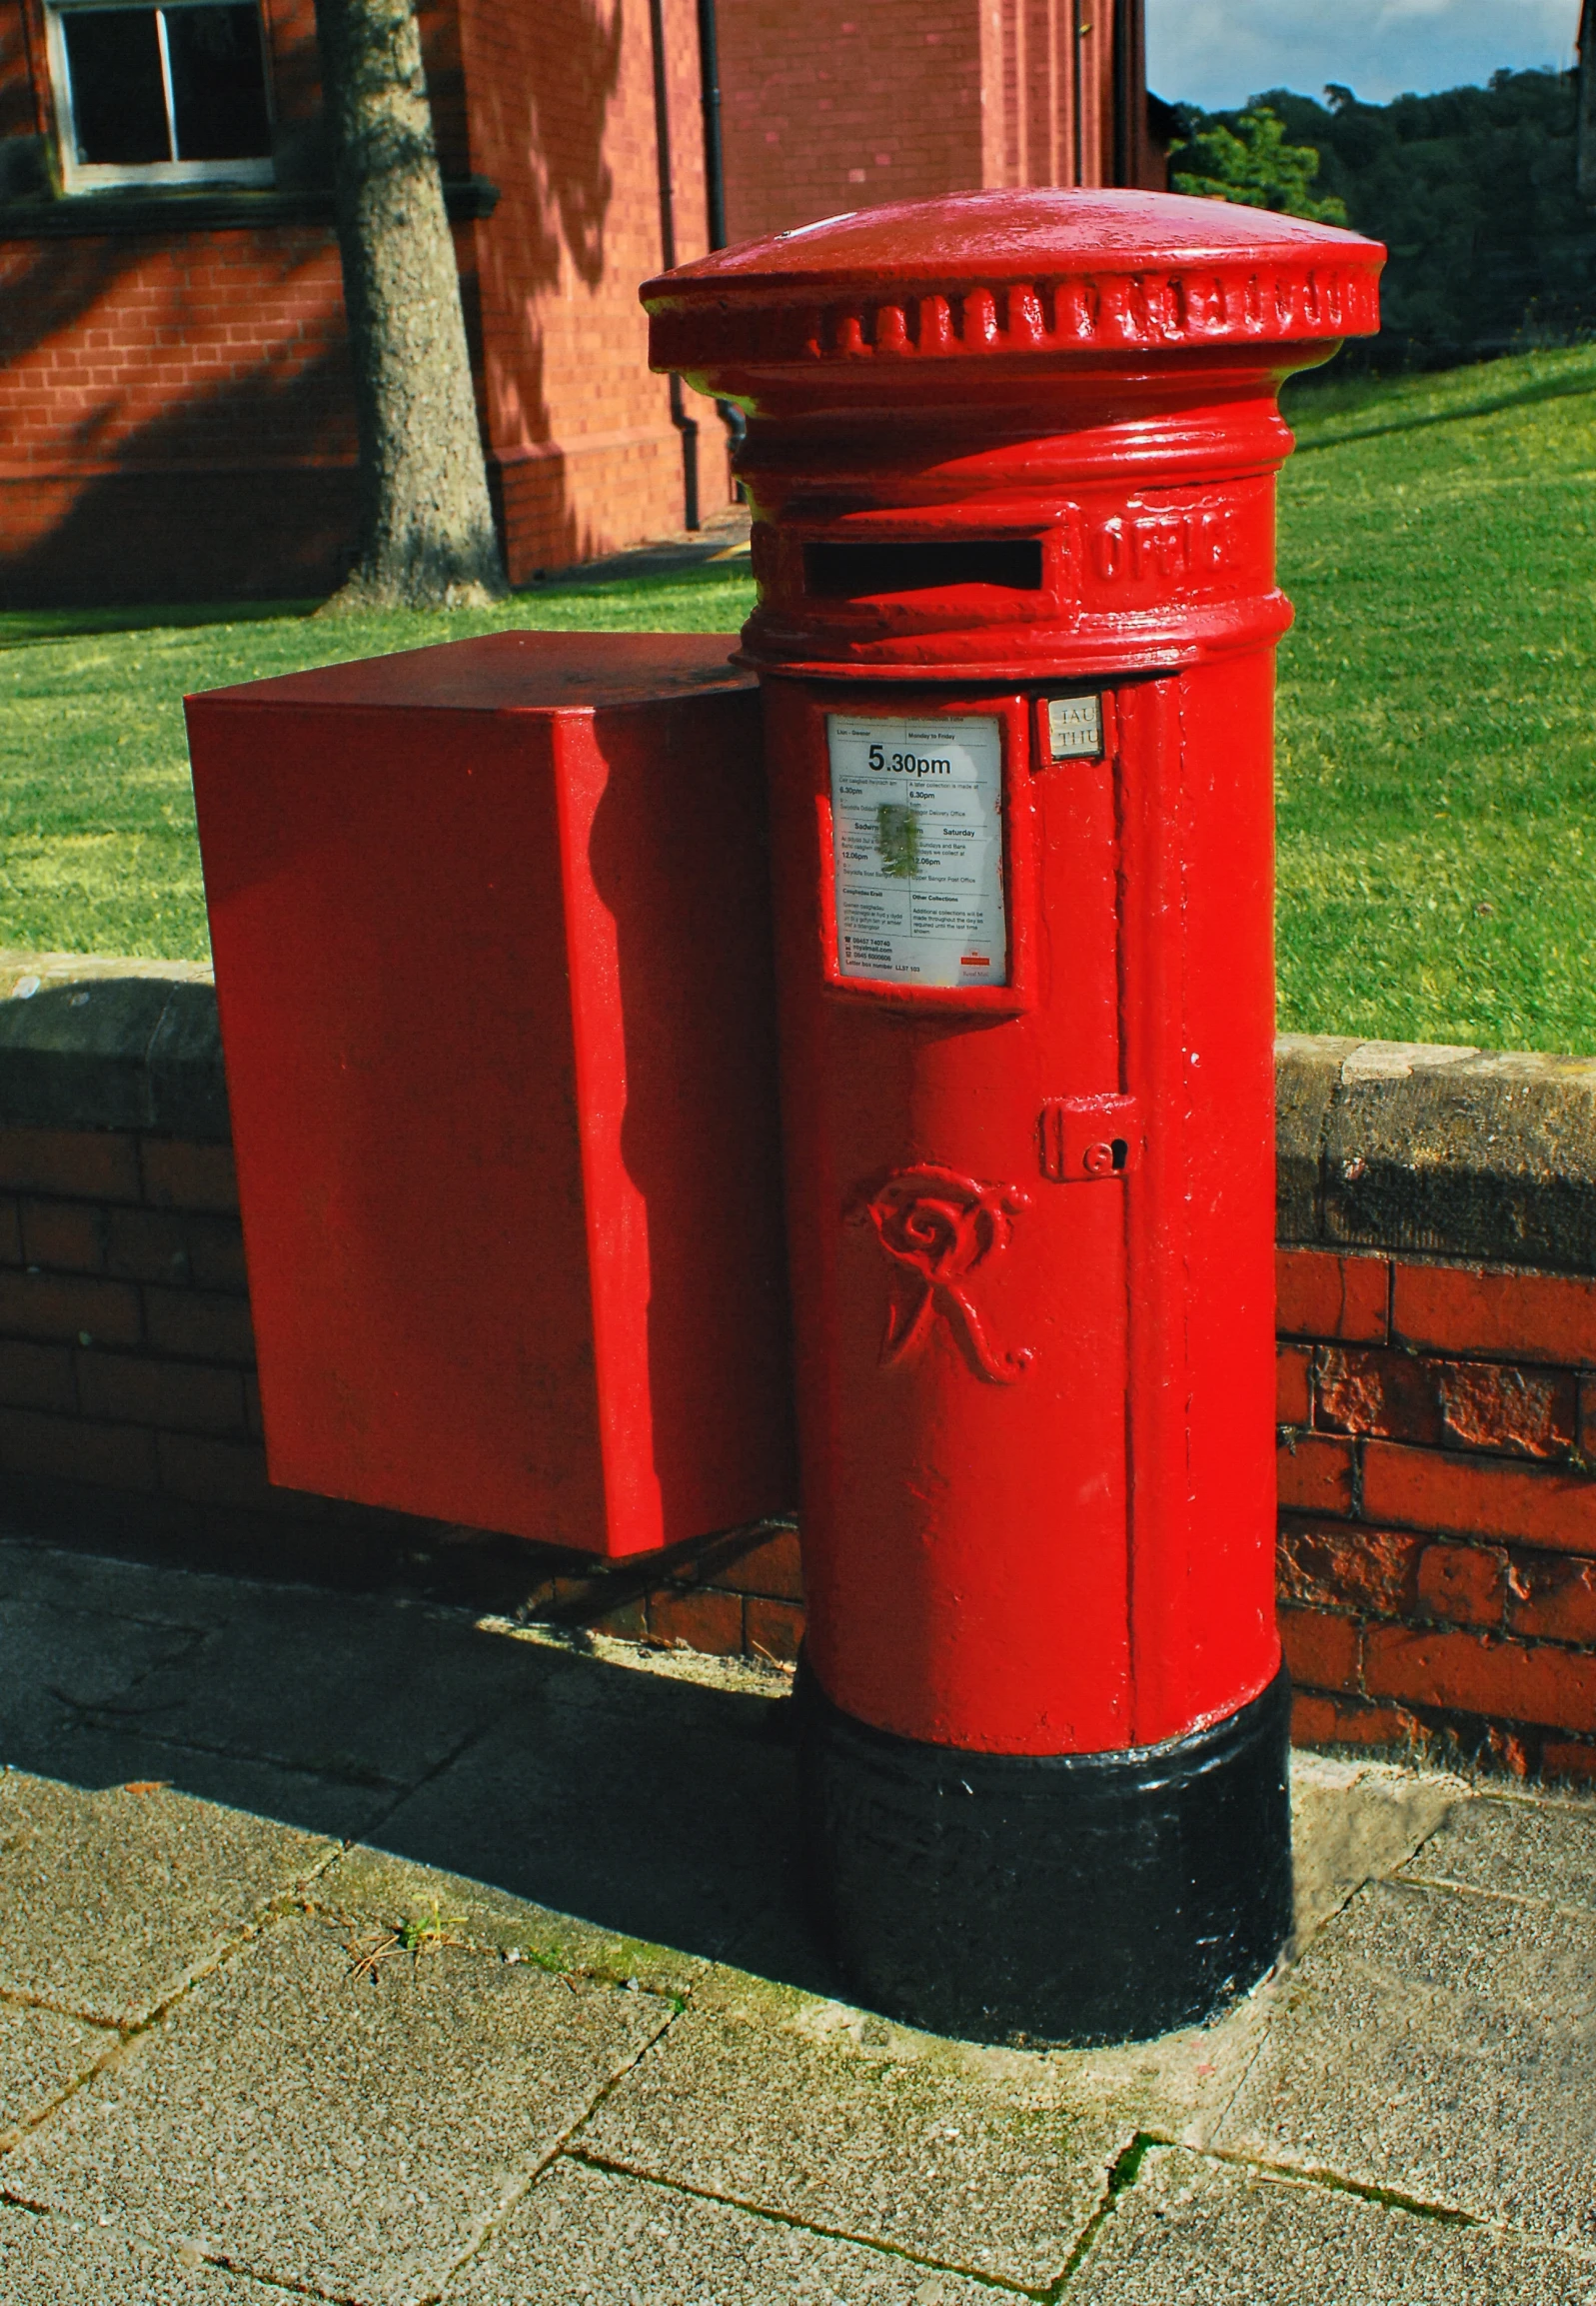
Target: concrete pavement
358 1949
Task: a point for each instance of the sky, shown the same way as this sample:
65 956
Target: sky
1216 53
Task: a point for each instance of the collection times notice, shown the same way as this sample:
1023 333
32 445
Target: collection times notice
917 822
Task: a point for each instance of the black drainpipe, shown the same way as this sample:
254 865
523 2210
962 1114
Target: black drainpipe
715 178
1131 89
710 87
1076 96
687 426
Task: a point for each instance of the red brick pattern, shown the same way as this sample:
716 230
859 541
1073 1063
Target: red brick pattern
175 408
845 104
1316 1475
1320 1294
737 1598
176 415
243 331
1522 1316
561 117
124 1317
1293 1374
175 411
1437 1572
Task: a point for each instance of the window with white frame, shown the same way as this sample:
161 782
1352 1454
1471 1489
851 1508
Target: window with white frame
170 94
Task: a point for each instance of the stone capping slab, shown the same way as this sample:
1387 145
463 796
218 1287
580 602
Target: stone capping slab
1442 1150
88 1042
1446 1151
216 207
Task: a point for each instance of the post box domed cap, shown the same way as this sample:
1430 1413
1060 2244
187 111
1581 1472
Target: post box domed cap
1040 271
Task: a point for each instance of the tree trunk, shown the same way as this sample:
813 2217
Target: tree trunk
426 527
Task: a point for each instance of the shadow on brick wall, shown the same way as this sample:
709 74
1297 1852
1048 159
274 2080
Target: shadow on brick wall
185 515
199 465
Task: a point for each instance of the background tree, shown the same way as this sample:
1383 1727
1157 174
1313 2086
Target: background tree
426 525
1474 192
1251 162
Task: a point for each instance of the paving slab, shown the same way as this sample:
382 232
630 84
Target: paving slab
330 1808
656 1806
1440 2045
61 1661
369 1886
583 2234
42 2054
348 2132
992 2161
1191 2232
1515 1847
582 1837
1358 1821
46 2261
97 1585
111 1901
375 1692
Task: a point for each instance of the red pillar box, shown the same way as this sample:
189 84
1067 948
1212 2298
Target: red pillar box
1011 461
491 924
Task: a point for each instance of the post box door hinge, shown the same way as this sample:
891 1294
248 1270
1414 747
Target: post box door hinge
1082 1140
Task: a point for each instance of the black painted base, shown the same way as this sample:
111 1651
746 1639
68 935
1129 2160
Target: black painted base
1095 1897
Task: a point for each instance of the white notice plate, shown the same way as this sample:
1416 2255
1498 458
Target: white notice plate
917 826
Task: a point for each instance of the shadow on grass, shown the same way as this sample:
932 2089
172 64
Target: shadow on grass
1530 394
26 627
623 578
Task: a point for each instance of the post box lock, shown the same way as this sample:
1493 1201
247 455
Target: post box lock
1082 1139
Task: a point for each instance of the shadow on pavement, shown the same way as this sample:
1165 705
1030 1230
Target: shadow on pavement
645 1802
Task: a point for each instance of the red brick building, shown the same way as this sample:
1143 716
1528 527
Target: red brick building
175 407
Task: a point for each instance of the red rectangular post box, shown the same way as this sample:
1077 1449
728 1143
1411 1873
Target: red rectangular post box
492 942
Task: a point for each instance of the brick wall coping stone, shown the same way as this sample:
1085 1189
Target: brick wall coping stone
88 1042
1439 1151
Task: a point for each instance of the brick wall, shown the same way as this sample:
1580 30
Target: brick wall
176 415
560 111
174 405
1437 1400
846 103
1439 1519
176 410
1437 1375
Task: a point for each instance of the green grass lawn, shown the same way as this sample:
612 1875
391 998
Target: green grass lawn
1437 722
1437 755
96 845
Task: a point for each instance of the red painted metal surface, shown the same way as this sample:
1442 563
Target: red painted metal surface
490 932
1009 451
